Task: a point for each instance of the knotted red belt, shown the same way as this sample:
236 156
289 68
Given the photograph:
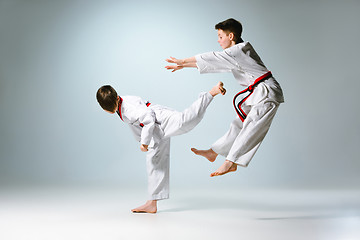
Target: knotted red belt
241 97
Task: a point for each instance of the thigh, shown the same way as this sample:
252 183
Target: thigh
255 127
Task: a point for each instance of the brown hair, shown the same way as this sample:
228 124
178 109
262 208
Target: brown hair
107 98
231 26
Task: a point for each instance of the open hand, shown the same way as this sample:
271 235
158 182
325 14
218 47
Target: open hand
176 67
173 60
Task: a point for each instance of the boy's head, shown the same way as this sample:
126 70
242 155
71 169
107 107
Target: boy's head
107 98
229 33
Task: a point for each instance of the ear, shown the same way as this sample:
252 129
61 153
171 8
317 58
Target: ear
118 98
231 36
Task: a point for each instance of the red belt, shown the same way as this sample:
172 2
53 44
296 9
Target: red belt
241 97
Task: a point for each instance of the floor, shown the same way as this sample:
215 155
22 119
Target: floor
104 214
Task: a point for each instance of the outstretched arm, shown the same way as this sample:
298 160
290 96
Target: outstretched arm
181 63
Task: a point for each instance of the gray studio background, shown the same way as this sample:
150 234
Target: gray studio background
54 55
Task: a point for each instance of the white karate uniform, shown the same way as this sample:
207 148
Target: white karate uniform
153 126
242 140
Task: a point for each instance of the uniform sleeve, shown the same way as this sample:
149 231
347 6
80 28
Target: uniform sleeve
215 62
136 132
140 118
147 118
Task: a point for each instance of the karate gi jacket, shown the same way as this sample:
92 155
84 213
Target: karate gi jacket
246 66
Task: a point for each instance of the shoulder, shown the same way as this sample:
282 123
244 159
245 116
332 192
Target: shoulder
133 103
237 48
130 107
132 100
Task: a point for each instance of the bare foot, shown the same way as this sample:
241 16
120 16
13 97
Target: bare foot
226 167
209 154
149 207
218 88
233 168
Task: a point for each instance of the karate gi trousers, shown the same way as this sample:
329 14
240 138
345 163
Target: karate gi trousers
241 141
171 123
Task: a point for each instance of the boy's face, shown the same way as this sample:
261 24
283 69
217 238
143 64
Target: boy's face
225 40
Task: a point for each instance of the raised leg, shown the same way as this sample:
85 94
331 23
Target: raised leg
255 128
177 123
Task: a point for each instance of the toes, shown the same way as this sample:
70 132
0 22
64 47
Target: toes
143 211
221 88
137 210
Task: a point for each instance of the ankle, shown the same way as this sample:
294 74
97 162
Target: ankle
213 93
151 202
213 152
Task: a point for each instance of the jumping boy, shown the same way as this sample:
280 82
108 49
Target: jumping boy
255 106
152 126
